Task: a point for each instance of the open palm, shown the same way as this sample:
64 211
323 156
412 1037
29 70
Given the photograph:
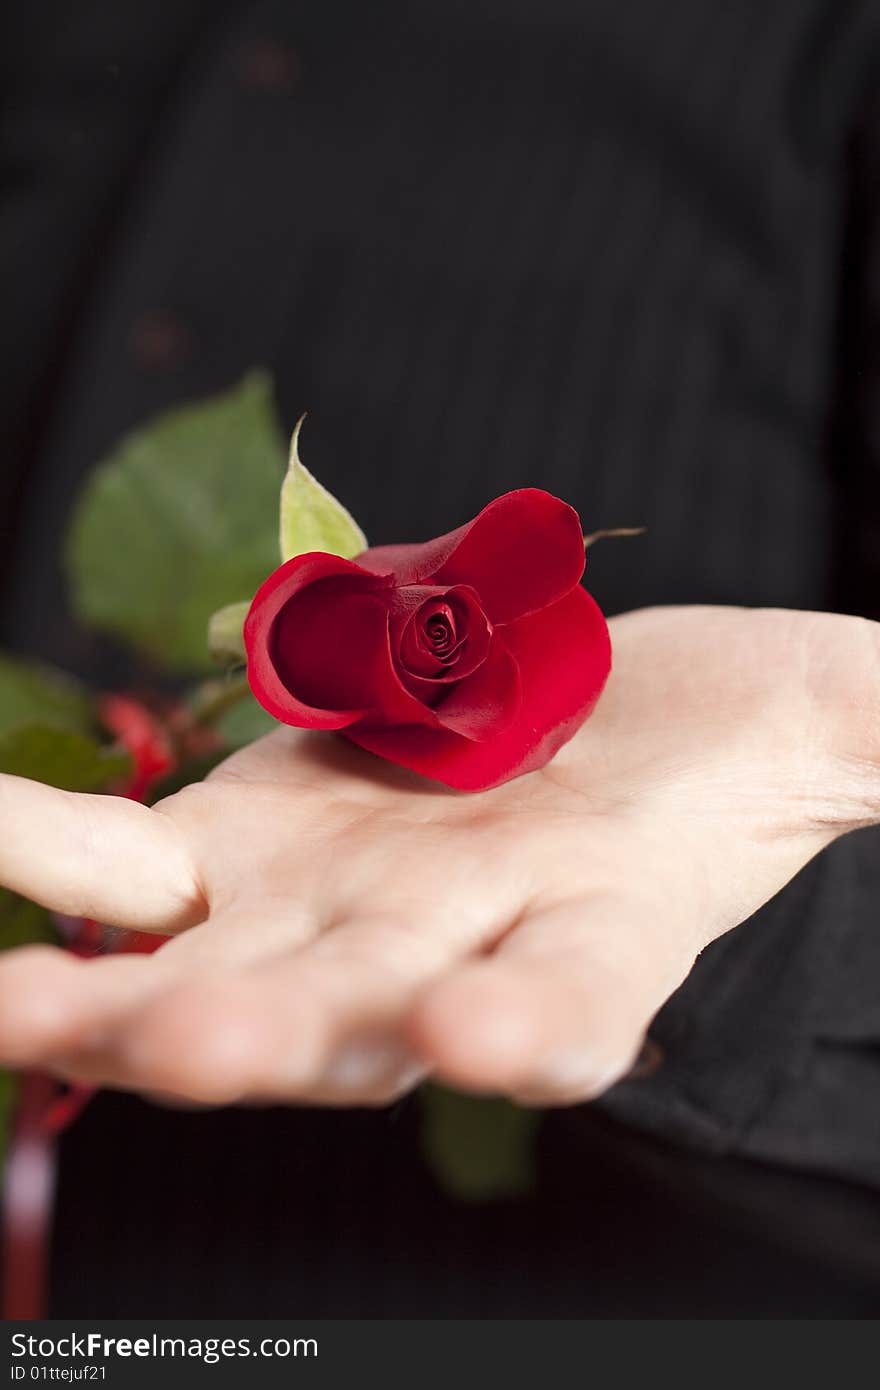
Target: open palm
342 927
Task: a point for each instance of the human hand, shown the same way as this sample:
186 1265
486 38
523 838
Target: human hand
342 927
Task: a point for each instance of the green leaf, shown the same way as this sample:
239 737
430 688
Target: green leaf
8 1093
311 517
34 694
245 722
180 521
61 758
23 922
478 1148
226 635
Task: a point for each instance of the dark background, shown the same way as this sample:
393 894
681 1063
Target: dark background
630 253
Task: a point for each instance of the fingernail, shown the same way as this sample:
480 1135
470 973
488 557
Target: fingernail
358 1066
577 1074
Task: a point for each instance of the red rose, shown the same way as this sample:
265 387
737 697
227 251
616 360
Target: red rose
471 658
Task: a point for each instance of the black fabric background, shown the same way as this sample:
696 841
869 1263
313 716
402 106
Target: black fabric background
627 253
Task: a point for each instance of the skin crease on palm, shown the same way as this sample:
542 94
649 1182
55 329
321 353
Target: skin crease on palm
343 927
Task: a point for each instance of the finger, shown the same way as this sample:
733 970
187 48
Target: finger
322 1025
53 1004
96 856
559 1012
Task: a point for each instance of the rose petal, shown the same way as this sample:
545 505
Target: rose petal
485 703
522 552
564 656
328 645
280 589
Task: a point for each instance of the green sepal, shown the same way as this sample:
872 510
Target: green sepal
226 635
311 517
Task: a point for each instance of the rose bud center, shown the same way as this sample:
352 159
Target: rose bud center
439 634
443 637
